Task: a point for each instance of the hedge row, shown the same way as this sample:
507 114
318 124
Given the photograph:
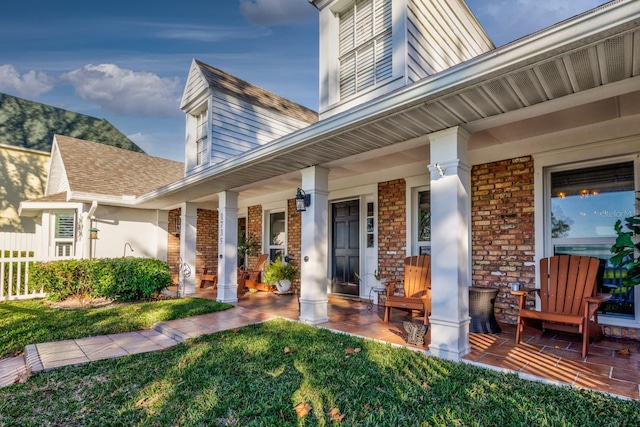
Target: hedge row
120 279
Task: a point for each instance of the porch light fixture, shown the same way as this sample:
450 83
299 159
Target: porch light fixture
303 200
176 225
93 233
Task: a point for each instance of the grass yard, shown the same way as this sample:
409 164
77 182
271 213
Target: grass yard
34 321
282 373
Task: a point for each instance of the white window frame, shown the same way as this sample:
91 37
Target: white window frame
353 76
415 219
548 242
202 137
268 247
64 242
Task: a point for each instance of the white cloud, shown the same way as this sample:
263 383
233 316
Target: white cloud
270 12
126 92
29 85
209 33
509 20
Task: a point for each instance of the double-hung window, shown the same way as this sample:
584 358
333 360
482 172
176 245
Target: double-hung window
365 45
422 221
64 234
202 132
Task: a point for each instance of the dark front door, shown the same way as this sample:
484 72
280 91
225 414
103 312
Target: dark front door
346 247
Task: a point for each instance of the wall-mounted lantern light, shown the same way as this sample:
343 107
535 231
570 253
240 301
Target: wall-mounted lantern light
303 200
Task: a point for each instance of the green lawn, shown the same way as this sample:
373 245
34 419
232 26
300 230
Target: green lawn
246 377
33 321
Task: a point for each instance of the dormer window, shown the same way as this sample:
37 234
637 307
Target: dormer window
366 47
202 143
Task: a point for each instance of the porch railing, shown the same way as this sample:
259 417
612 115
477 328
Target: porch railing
17 254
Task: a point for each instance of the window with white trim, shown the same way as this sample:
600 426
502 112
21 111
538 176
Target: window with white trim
365 45
585 202
422 221
202 131
276 235
64 234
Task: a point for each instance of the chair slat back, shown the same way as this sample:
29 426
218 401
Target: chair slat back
257 269
565 280
417 275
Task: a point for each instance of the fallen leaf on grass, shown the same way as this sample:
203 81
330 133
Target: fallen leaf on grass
302 409
235 331
137 308
352 350
287 350
334 415
624 352
426 386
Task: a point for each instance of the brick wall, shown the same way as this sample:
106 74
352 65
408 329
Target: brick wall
206 243
294 238
502 224
254 230
392 225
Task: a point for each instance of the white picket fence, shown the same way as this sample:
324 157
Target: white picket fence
17 253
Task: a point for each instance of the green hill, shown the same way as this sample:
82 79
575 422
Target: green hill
30 124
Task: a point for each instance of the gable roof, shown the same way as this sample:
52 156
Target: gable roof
31 125
94 168
224 82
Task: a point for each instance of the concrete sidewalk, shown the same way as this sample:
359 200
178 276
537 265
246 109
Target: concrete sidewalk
51 355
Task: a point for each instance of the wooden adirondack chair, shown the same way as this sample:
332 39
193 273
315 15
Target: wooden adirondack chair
568 298
251 278
417 288
209 278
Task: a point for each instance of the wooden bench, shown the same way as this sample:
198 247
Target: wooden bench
568 298
416 288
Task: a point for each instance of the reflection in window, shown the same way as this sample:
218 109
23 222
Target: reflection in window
423 222
277 235
585 205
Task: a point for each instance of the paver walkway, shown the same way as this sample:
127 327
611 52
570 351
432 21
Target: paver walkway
50 355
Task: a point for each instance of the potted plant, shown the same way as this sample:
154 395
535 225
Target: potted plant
280 274
626 249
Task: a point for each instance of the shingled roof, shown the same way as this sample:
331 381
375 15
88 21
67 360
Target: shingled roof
255 95
31 125
96 168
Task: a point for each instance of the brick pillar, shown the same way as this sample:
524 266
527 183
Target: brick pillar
254 231
294 230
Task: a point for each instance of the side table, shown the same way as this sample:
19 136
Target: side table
380 290
483 318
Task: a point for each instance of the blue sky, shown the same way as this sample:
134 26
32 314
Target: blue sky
127 61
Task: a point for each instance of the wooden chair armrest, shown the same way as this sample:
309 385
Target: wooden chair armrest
598 299
520 293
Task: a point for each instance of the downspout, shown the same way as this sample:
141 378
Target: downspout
86 225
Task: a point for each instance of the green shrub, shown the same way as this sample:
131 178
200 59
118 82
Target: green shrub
121 279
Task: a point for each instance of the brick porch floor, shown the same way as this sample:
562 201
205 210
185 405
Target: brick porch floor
552 357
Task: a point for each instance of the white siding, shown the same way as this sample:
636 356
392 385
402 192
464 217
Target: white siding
441 34
237 126
196 85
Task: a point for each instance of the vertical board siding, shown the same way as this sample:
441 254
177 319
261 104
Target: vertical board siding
17 253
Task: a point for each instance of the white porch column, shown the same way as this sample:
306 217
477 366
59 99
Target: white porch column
227 247
450 243
188 228
315 247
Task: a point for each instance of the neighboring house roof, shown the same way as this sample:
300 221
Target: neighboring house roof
95 168
254 95
31 125
58 197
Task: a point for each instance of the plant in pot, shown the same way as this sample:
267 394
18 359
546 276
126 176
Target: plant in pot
626 249
280 274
